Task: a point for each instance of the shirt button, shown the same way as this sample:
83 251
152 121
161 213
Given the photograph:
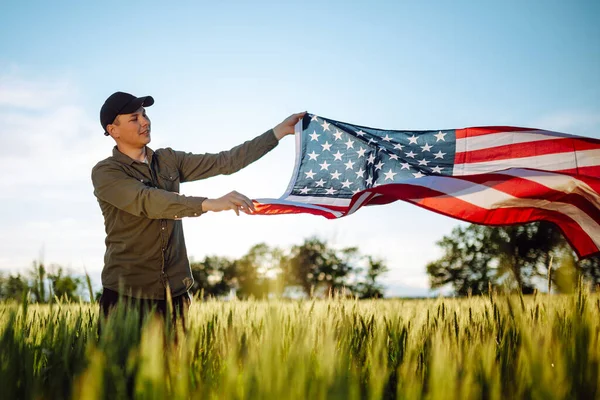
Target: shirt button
195 214
176 216
163 228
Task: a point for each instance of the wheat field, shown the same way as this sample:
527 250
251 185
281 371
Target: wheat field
494 347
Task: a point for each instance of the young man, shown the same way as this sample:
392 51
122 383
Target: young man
138 192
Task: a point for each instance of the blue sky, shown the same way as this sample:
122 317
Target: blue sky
223 73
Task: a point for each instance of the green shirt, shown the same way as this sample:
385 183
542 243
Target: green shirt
142 209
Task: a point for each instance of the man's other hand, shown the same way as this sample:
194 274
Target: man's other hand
287 126
231 201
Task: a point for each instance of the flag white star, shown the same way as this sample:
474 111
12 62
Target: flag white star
324 166
405 166
310 174
440 136
378 166
314 136
355 191
411 154
326 146
412 139
349 164
390 175
346 184
387 138
349 144
371 158
320 183
314 118
423 162
313 156
304 190
360 133
361 173
393 157
398 146
335 175
369 180
325 126
338 135
437 169
427 147
439 154
418 174
330 191
371 140
361 152
338 156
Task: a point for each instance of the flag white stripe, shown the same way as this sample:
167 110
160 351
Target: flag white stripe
326 201
488 198
549 162
481 142
361 199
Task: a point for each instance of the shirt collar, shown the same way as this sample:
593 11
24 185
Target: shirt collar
125 159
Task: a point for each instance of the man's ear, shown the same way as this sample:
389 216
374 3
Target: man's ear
113 131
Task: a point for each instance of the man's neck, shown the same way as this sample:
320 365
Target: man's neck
136 154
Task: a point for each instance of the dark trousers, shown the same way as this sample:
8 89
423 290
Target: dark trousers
109 299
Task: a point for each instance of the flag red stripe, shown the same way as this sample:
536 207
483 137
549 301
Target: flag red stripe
531 149
276 209
486 130
584 173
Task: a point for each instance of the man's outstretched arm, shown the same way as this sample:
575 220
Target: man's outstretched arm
114 186
200 166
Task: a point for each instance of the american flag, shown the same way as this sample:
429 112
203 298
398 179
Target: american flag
497 175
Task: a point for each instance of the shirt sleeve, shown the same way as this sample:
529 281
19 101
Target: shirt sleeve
116 187
193 167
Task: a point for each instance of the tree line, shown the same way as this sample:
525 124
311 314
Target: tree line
475 259
313 268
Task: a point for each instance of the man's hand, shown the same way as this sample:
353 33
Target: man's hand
232 201
287 126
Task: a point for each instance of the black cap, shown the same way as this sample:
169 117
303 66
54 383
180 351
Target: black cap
121 103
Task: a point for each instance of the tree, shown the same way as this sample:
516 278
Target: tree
590 270
13 287
316 268
523 252
476 256
213 276
258 271
64 285
569 270
466 263
369 287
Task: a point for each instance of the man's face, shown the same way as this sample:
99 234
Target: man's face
131 129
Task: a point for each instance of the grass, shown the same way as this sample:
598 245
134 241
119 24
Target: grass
496 347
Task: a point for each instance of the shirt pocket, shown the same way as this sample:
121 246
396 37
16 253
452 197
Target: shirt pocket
169 179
